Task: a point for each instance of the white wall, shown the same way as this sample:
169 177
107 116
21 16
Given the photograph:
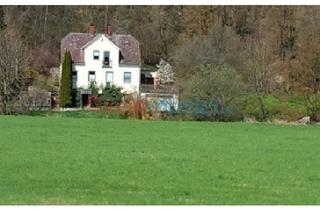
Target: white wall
104 44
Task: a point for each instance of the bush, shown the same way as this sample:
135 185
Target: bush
94 88
201 110
313 105
290 109
94 101
111 96
136 109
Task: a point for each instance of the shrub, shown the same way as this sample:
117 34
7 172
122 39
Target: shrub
202 110
272 105
290 109
111 96
94 88
94 101
313 105
136 109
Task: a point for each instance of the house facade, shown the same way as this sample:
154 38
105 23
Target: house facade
103 58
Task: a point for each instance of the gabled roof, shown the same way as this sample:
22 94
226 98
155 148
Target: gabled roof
128 45
129 48
73 42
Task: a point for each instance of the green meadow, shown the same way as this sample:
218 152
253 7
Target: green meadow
65 160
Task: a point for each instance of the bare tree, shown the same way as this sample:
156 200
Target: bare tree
261 77
220 46
13 61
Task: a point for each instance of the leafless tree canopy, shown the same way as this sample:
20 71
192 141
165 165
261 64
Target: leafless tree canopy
13 62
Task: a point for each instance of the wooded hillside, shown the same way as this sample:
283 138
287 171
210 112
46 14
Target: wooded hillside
268 51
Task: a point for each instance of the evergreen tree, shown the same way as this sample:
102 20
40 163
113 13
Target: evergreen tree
66 83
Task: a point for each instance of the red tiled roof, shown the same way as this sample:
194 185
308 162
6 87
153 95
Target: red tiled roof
128 45
129 48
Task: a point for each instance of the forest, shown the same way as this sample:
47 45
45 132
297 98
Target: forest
258 61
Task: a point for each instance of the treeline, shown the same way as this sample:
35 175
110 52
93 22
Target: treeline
261 61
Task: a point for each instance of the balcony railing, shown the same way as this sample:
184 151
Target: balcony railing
147 88
106 64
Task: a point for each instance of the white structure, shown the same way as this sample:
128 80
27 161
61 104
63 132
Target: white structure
158 88
104 58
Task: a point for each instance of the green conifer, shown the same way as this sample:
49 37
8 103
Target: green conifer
66 83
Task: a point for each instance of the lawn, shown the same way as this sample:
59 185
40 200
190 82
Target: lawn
56 160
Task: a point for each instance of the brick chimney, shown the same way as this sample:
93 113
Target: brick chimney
91 28
108 31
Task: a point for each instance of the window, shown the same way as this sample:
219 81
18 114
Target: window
74 79
96 54
109 77
127 77
106 58
92 76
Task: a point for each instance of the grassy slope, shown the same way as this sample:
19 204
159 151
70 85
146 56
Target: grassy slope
99 161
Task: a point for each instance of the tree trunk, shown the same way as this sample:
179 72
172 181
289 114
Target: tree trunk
3 107
106 16
262 109
4 102
45 22
220 112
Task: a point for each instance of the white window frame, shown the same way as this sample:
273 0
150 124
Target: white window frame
93 75
110 73
124 77
104 56
96 53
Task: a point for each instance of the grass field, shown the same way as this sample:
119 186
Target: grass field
101 161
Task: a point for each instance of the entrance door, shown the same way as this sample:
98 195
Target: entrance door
85 100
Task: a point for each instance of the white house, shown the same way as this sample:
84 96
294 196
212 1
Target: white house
104 58
115 59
